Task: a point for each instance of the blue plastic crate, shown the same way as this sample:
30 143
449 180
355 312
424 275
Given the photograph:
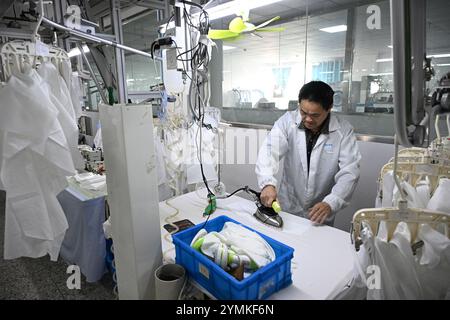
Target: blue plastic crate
260 285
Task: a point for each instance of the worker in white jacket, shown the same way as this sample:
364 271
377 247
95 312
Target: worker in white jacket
321 158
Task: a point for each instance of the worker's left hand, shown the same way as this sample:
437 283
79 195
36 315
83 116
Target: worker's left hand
319 212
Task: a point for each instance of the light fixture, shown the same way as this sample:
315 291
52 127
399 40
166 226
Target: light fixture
443 55
380 74
390 46
76 52
443 64
374 87
233 7
224 48
384 60
335 29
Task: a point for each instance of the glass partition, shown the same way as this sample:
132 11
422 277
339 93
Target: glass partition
345 44
141 72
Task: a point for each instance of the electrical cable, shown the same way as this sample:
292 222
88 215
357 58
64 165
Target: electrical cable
168 220
198 58
167 24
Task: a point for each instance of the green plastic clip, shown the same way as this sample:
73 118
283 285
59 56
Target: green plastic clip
212 205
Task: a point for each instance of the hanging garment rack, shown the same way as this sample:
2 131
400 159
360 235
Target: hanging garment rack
413 217
417 171
15 54
435 154
393 216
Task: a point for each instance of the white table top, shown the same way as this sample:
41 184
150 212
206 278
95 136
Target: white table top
323 257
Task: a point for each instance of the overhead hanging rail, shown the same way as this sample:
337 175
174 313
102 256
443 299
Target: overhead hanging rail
95 39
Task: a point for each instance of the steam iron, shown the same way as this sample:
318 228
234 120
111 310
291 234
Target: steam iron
267 215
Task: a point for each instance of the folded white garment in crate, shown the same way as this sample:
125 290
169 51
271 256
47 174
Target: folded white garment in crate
241 241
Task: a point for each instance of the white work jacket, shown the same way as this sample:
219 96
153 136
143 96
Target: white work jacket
334 165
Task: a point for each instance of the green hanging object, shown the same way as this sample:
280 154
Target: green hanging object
110 96
212 205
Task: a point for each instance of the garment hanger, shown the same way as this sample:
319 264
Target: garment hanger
413 217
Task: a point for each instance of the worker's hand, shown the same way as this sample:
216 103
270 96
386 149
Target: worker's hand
319 212
268 195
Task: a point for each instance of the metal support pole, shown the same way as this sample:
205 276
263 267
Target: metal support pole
120 57
95 39
91 71
348 61
60 8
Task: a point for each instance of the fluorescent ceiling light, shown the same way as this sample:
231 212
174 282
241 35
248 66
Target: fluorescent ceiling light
390 46
384 60
444 55
228 48
335 29
234 7
443 64
76 52
381 74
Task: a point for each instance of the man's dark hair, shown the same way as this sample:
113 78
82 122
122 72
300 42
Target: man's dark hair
317 91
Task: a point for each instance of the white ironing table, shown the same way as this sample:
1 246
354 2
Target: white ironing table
323 258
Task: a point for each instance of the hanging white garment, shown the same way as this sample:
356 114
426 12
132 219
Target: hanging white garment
193 170
175 159
355 288
412 197
439 201
433 263
160 155
76 95
35 161
61 99
73 84
402 274
98 141
387 189
423 189
399 279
